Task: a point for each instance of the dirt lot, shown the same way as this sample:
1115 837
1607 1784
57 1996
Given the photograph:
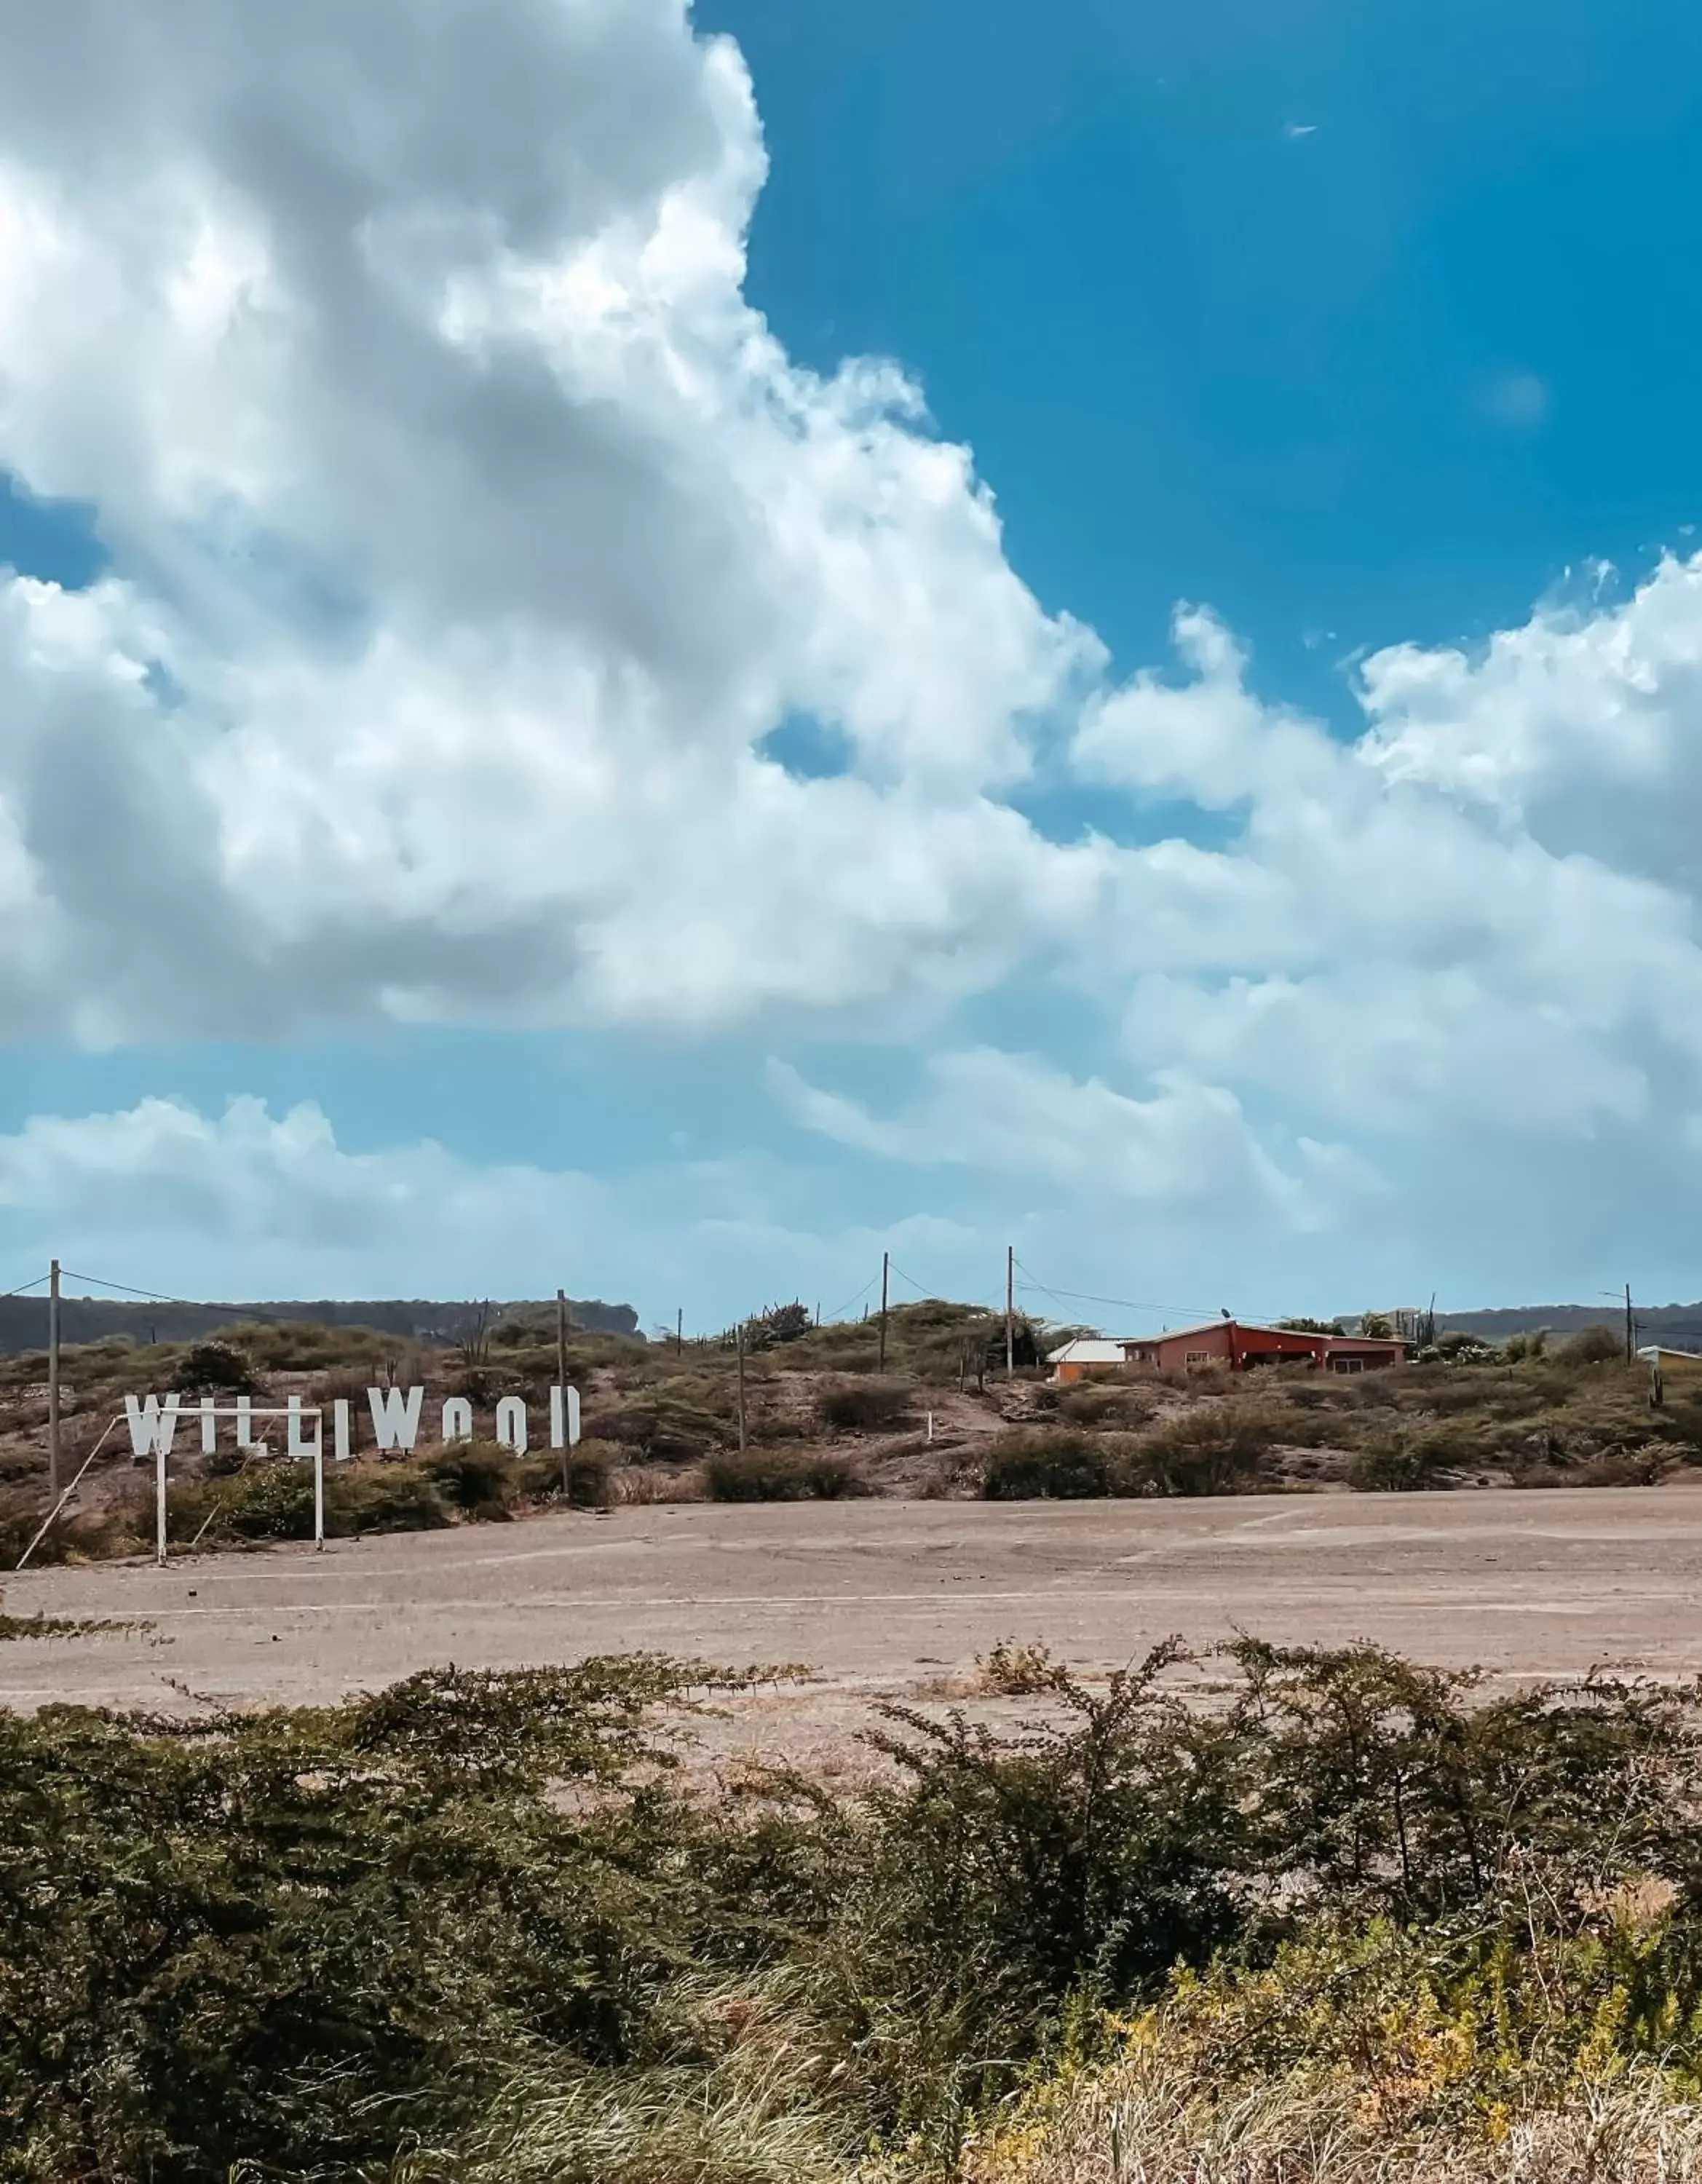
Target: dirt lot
891 1599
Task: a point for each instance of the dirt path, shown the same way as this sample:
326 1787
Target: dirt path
888 1597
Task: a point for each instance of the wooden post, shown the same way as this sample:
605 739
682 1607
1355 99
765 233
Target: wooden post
561 1378
885 1261
742 1398
680 1332
1010 1310
54 1381
1630 1329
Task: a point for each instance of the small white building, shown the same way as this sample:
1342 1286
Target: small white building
1661 1361
1086 1356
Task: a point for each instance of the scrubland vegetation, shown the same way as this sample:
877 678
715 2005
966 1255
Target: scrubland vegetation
824 1419
1264 1916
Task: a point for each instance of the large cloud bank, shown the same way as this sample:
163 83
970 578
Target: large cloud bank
471 536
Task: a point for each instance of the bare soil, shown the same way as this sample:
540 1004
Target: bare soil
887 1599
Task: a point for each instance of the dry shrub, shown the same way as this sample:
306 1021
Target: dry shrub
1210 1448
644 1485
1107 1404
757 1474
1047 1465
1012 1671
869 1405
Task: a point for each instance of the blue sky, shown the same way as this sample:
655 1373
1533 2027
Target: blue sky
529 706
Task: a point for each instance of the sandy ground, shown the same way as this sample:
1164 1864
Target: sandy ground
889 1598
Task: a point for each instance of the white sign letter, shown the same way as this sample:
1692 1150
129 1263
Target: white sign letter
564 1417
339 1415
298 1446
458 1419
511 1424
152 1430
395 1417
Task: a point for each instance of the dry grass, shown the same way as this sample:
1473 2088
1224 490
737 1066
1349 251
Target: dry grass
1149 2122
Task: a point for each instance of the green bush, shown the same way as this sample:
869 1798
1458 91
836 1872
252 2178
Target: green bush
479 1927
1391 1467
1047 1466
475 1475
207 1369
275 1501
1106 1404
1210 1448
763 1474
869 1406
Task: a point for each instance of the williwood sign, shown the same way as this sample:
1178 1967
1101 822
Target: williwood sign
396 1414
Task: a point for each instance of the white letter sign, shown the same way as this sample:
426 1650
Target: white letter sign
395 1417
152 1430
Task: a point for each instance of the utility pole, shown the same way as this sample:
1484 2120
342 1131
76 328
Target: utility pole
1630 1329
741 1406
53 1382
885 1260
561 1380
1009 1311
679 1331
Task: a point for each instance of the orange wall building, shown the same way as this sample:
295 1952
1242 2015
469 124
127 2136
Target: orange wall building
1231 1345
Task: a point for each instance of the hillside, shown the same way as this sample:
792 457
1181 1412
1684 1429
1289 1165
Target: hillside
1678 1324
821 1419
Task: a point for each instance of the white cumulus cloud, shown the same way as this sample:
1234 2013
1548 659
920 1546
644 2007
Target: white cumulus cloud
470 533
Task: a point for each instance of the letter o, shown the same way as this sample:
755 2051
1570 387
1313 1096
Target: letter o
458 1419
511 1424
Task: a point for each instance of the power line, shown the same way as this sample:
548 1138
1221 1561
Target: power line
839 1311
188 1304
24 1287
1126 1304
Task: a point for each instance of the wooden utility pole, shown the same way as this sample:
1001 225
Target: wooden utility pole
884 1262
741 1406
561 1380
53 1382
1010 1310
679 1331
1630 1329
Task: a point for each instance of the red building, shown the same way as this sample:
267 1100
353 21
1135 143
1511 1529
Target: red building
1229 1345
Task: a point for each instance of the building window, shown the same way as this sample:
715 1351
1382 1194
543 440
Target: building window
1347 1364
1197 1357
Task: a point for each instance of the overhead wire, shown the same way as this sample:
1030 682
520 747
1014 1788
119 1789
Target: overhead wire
1088 1296
191 1304
839 1311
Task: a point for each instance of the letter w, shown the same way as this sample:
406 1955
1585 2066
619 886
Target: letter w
395 1417
152 1430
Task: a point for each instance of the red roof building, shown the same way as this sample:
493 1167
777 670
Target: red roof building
1230 1345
